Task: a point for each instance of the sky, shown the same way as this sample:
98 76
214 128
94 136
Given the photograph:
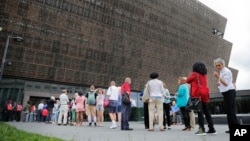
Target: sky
237 32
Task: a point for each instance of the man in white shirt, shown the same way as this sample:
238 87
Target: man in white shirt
40 108
64 100
113 93
226 87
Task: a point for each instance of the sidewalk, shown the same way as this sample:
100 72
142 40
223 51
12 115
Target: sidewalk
85 133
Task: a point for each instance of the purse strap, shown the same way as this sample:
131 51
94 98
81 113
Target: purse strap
198 80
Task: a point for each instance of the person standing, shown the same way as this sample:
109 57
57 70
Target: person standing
80 99
156 91
64 100
119 109
100 107
145 110
113 93
19 111
182 100
126 108
39 112
91 104
9 108
166 107
26 110
198 80
227 89
50 106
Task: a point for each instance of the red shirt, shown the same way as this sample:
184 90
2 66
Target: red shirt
125 88
193 81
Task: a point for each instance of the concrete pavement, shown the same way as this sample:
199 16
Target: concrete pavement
85 133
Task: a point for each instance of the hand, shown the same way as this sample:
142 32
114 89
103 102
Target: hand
216 74
218 83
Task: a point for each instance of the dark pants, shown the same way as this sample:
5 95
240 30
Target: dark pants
205 111
185 115
146 115
39 115
48 118
9 115
230 107
18 115
126 111
166 114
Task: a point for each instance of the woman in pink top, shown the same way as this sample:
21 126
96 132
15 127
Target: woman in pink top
79 108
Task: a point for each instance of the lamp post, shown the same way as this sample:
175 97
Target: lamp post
18 39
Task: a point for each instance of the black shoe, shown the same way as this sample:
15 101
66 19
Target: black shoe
89 124
211 132
227 131
128 129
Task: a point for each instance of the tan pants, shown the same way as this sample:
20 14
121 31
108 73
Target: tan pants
91 112
155 104
192 119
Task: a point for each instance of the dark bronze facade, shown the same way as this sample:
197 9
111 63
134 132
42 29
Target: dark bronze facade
84 42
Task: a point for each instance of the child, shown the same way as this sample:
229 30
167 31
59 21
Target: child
99 106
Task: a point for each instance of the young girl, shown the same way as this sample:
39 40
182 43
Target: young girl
99 106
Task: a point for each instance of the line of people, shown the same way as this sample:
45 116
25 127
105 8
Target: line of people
156 97
93 105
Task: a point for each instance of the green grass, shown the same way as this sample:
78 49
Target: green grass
9 133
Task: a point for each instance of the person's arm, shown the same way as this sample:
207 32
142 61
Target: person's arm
220 79
191 77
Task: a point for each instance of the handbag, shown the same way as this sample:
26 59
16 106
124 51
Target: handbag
125 99
146 94
106 102
194 103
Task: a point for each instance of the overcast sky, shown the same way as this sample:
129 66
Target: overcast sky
237 32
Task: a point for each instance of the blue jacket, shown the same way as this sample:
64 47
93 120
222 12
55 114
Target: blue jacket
182 95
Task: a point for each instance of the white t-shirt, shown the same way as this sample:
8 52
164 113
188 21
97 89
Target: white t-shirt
156 88
113 93
226 75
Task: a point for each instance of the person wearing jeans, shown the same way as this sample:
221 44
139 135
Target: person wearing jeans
126 108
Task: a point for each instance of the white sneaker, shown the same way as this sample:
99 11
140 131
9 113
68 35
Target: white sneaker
113 126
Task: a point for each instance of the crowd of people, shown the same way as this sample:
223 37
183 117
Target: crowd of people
159 105
157 101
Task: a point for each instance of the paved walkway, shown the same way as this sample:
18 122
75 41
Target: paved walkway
85 133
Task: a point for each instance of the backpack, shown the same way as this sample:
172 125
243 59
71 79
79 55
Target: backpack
91 98
45 112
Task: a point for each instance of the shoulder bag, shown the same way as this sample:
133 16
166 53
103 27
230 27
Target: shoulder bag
194 103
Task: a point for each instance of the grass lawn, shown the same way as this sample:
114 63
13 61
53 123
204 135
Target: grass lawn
9 133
